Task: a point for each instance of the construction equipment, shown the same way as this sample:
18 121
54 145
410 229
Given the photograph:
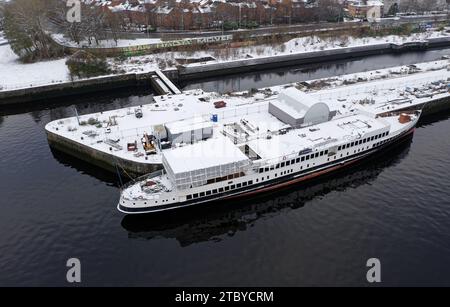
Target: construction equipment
149 144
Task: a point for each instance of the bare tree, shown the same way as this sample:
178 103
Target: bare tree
24 25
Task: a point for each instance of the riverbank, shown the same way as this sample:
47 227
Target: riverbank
297 51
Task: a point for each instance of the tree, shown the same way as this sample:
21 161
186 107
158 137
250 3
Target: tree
96 23
24 22
393 10
330 10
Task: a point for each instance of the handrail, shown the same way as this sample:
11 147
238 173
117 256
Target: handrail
141 178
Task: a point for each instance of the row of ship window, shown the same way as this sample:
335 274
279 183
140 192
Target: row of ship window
322 153
363 141
286 163
219 190
293 161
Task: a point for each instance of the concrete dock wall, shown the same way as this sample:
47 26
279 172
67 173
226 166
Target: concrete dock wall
40 93
188 72
101 159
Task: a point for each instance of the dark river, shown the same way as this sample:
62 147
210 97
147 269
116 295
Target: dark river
395 208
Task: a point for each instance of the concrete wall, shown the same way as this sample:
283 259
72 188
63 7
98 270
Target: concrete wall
249 65
27 95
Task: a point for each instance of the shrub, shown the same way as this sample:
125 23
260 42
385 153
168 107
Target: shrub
85 65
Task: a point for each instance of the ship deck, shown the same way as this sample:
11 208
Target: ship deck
373 92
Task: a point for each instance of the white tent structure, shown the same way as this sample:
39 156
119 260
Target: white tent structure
297 108
194 165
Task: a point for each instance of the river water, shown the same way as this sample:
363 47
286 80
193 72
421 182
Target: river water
395 208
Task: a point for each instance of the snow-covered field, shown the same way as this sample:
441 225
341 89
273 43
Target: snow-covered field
14 74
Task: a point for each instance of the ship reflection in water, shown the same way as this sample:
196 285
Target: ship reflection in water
212 222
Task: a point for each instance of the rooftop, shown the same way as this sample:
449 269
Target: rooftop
217 151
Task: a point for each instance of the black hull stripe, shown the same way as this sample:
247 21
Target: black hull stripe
271 184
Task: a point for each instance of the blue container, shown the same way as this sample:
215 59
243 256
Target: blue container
215 118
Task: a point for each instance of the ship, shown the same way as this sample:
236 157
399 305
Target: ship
294 140
131 139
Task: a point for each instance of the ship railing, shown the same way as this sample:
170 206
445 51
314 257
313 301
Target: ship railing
142 178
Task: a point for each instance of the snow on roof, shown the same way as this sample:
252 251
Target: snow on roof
336 131
188 125
202 155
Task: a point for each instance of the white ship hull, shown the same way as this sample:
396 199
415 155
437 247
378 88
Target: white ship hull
278 178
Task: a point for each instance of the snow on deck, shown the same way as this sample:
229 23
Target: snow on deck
337 131
397 88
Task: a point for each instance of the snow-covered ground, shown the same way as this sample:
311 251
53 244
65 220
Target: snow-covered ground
3 40
106 43
14 74
294 46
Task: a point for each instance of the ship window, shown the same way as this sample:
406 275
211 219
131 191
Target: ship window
202 194
214 191
297 160
307 157
276 175
251 182
189 197
266 169
261 170
272 167
317 154
278 165
257 180
195 195
227 188
292 161
339 148
208 192
282 164
301 167
233 187
307 165
267 177
288 163
220 189
326 151
238 185
352 144
303 159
